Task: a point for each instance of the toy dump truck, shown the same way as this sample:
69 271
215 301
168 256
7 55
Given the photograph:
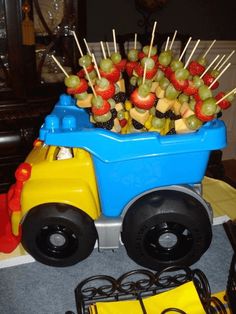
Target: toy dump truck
82 184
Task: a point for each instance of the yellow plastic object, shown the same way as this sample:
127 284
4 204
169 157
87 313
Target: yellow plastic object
15 221
184 297
69 181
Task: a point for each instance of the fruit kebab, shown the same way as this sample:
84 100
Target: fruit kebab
85 60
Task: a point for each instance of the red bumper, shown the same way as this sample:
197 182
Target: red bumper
8 242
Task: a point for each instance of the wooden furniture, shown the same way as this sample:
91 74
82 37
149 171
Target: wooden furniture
29 82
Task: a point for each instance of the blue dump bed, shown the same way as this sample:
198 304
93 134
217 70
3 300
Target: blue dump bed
128 165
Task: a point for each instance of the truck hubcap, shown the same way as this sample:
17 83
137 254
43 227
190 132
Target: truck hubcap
168 241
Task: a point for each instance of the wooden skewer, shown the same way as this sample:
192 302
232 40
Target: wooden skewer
144 72
77 42
114 40
209 66
60 66
186 46
103 50
108 49
173 39
87 47
152 39
222 72
90 82
135 41
229 56
191 54
167 43
204 56
218 63
96 66
233 91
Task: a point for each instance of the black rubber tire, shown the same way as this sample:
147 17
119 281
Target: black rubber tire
58 234
166 228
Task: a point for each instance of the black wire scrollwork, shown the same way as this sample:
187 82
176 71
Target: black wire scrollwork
137 284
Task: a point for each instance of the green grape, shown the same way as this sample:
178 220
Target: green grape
133 80
85 61
197 81
230 98
165 58
153 50
116 57
97 101
218 109
215 73
192 103
103 83
112 102
182 74
158 123
92 75
120 114
103 118
147 82
159 75
183 98
152 111
143 90
72 81
204 92
106 65
209 106
202 61
133 55
149 63
176 64
193 122
81 96
171 92
164 82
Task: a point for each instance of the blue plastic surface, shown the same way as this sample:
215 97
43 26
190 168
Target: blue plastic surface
128 165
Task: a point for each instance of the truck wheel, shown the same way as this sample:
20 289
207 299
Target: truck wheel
166 228
58 234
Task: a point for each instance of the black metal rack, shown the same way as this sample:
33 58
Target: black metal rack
230 229
141 283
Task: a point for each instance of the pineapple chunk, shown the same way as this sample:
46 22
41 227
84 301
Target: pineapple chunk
160 93
176 107
85 103
164 104
181 126
185 110
154 86
121 85
141 117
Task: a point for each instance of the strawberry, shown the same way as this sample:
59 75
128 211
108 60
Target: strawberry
195 68
123 122
112 76
208 79
121 65
223 104
190 89
142 102
106 93
168 72
81 88
129 67
149 74
180 85
101 110
89 69
200 115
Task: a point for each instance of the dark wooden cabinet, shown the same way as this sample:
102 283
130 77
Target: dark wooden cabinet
30 83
